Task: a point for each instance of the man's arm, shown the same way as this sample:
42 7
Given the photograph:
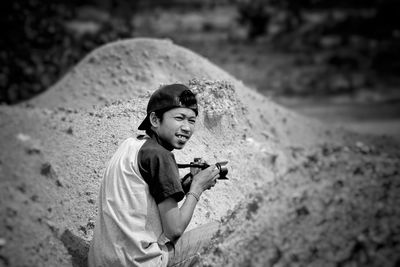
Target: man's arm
175 219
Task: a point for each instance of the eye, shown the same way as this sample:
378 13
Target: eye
192 121
178 118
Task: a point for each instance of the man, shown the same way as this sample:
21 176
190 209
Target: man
139 222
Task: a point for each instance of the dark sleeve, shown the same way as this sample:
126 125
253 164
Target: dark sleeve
158 168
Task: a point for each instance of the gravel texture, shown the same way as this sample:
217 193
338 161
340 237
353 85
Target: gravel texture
300 193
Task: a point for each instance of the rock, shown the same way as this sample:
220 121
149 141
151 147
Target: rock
53 227
3 242
48 171
32 150
77 247
69 130
363 148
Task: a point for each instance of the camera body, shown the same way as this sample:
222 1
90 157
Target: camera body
198 164
223 169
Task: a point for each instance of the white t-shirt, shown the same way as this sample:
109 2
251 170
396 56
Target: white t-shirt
128 230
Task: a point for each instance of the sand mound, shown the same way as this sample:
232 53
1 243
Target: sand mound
124 70
339 207
127 69
55 158
55 149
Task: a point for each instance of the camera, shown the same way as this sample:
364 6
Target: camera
187 179
223 169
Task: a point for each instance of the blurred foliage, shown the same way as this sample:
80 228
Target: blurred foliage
372 18
370 28
40 45
44 39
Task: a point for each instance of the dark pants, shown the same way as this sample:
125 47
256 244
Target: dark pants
186 251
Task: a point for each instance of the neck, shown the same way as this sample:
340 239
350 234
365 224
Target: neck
153 135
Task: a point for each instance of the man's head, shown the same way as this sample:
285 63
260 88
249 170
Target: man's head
171 114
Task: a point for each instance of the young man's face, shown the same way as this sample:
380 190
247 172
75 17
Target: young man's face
176 128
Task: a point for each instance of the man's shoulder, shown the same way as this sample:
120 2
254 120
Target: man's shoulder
132 141
151 147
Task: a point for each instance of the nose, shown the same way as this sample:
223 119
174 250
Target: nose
186 126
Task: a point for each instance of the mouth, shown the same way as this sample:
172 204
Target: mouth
182 137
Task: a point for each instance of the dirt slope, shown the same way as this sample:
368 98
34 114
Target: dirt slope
124 70
55 147
338 206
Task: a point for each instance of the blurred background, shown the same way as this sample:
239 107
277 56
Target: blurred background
338 61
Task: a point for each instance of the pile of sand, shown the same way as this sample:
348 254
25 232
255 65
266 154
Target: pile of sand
55 147
339 206
125 70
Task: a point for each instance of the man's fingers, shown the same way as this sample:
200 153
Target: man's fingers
213 183
216 170
213 170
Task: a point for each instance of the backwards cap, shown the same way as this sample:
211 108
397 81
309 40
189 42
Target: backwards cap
165 98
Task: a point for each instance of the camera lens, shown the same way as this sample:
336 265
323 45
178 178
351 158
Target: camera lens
223 170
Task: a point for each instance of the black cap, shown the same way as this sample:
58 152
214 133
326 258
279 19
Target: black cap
165 98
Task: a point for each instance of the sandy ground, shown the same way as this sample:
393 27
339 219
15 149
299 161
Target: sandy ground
301 192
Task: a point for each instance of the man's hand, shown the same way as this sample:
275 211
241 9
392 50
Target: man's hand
196 170
204 179
186 181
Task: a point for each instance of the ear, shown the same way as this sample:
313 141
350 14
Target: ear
154 120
